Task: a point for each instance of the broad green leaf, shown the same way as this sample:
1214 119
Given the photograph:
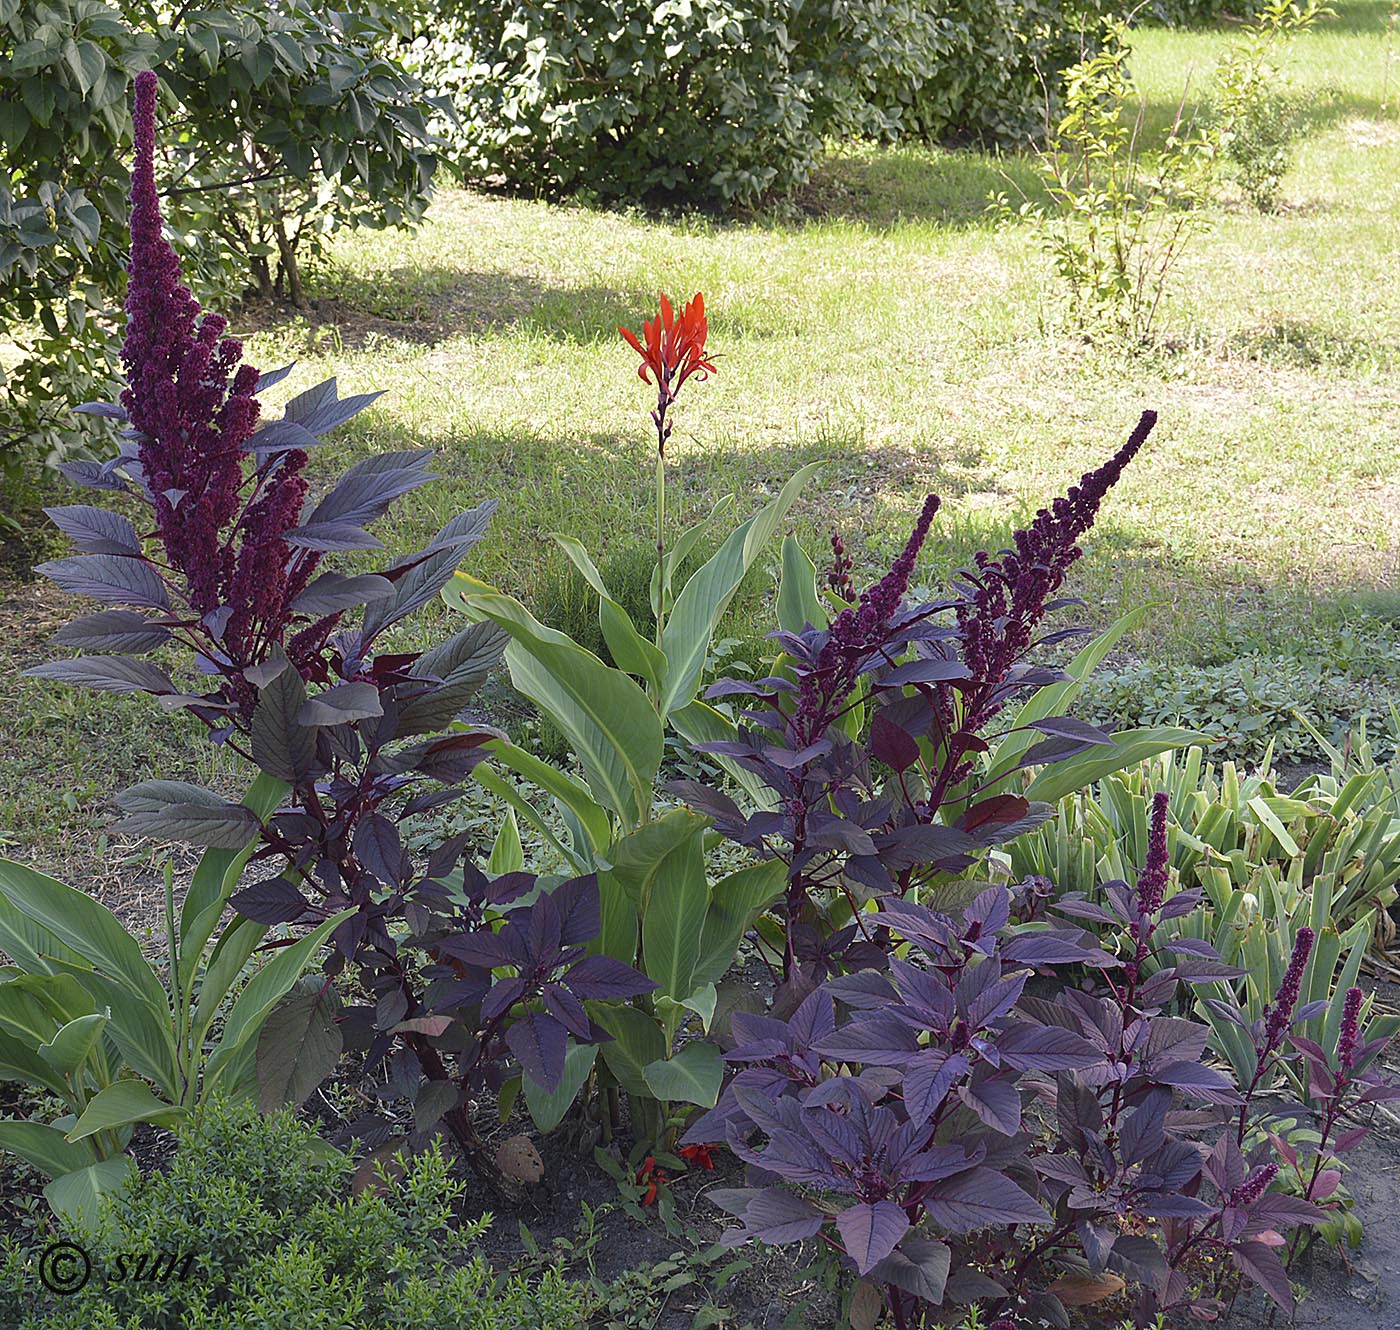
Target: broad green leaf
507 853
230 954
144 1038
77 1195
625 887
605 716
71 1047
547 1110
636 1042
265 989
87 927
34 1007
20 1061
46 1148
630 650
703 1002
28 943
573 794
673 913
685 639
683 547
492 781
693 1076
798 602
1129 748
120 1105
735 902
215 878
1055 699
701 723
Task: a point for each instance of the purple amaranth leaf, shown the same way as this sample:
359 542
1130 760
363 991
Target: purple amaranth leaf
123 631
504 994
274 901
96 530
332 593
107 674
866 990
580 910
341 704
1045 1048
779 1217
928 1077
1261 1264
941 1161
980 1198
870 1232
994 1098
420 583
877 1041
602 977
893 746
539 1043
920 844
919 1266
110 578
565 1007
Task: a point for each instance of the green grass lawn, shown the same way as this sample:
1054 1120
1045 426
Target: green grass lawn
886 325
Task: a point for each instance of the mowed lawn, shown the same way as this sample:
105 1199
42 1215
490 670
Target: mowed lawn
884 323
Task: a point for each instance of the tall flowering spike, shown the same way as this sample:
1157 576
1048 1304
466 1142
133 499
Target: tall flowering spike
673 348
998 619
187 393
193 402
854 633
1279 1015
838 578
1152 881
1351 1027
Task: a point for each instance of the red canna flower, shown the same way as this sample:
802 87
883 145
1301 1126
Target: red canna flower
675 347
653 1177
698 1155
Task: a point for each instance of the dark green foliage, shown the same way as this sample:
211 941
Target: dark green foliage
726 101
1191 13
304 105
278 1240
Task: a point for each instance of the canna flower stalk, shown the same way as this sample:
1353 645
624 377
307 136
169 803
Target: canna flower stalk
672 349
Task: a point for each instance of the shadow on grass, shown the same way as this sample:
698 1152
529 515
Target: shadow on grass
883 188
428 304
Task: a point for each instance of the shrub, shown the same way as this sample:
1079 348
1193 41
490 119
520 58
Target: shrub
1259 118
1116 219
1254 704
725 101
292 123
265 1211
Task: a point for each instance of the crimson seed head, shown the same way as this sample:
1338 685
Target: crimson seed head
1152 881
1009 594
854 634
1279 1016
1351 1027
1254 1186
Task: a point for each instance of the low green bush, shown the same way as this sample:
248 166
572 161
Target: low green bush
1253 704
278 1239
726 101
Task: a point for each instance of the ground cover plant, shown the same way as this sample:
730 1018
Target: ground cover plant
474 916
